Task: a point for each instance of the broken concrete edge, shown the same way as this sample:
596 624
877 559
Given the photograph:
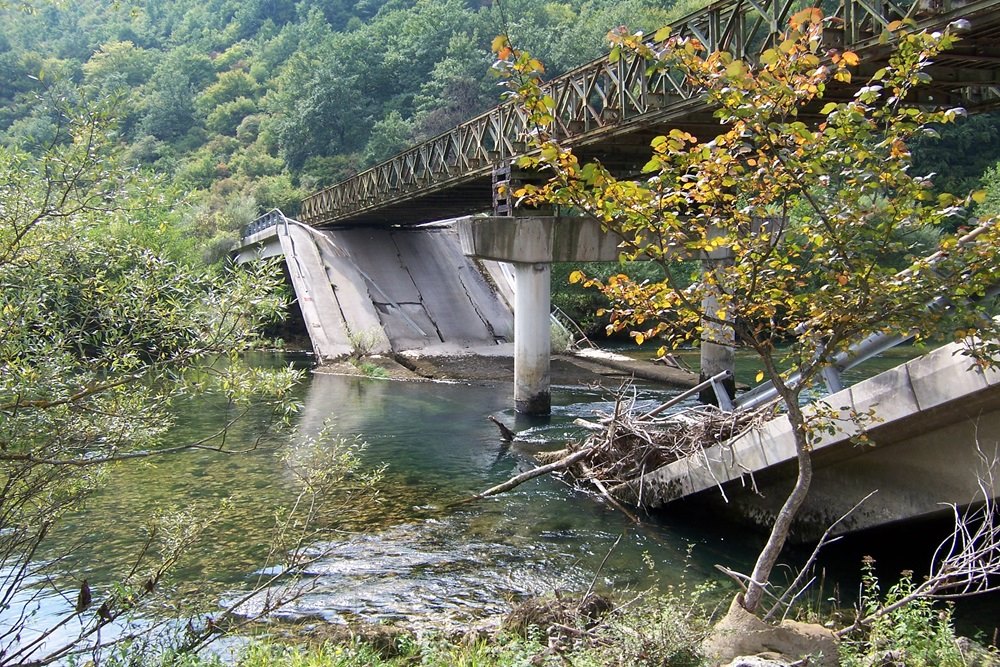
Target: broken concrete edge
419 365
927 382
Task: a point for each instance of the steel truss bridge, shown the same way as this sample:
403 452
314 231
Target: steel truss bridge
611 110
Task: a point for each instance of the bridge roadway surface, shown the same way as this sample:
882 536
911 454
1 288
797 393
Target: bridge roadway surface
610 111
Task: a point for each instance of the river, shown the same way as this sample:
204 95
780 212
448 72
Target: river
407 556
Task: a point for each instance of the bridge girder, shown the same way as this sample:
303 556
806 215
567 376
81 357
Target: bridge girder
609 110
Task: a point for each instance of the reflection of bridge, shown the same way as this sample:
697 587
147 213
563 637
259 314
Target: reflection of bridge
608 110
611 110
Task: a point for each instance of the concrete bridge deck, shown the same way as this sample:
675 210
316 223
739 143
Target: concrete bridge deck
380 291
937 419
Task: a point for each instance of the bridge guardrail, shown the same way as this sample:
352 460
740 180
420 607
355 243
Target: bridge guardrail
269 219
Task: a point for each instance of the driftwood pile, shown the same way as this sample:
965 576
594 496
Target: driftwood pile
629 444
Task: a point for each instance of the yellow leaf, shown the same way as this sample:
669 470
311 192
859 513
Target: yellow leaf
851 58
760 376
575 277
979 196
639 338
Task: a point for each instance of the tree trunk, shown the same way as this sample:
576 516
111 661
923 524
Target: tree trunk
783 522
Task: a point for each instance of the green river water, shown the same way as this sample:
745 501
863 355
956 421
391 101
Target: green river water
407 556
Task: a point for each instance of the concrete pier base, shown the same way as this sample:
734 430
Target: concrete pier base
532 343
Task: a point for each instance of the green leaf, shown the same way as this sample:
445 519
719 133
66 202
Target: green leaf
769 57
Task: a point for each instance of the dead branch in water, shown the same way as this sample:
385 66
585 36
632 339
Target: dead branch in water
505 433
630 443
517 480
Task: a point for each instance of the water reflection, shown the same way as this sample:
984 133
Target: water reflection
412 554
419 557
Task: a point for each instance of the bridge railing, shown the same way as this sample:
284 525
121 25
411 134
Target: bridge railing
602 96
269 219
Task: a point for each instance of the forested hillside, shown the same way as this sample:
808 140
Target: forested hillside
244 105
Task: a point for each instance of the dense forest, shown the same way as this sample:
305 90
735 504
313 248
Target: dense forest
244 105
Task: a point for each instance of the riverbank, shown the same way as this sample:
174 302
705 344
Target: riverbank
683 627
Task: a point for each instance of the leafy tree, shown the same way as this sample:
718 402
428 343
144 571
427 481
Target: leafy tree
389 136
794 206
121 61
991 186
456 90
226 117
228 87
101 332
959 153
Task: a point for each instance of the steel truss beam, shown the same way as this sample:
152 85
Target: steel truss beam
603 99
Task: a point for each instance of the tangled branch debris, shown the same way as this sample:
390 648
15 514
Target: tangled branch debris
632 443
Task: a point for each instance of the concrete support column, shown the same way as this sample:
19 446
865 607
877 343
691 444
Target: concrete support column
718 345
532 346
718 340
531 244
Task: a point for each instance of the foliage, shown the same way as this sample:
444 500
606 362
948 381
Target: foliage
663 630
991 186
313 90
103 333
372 370
800 227
959 153
582 304
917 634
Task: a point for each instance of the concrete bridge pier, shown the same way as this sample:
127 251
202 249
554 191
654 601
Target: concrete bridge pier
532 342
531 244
